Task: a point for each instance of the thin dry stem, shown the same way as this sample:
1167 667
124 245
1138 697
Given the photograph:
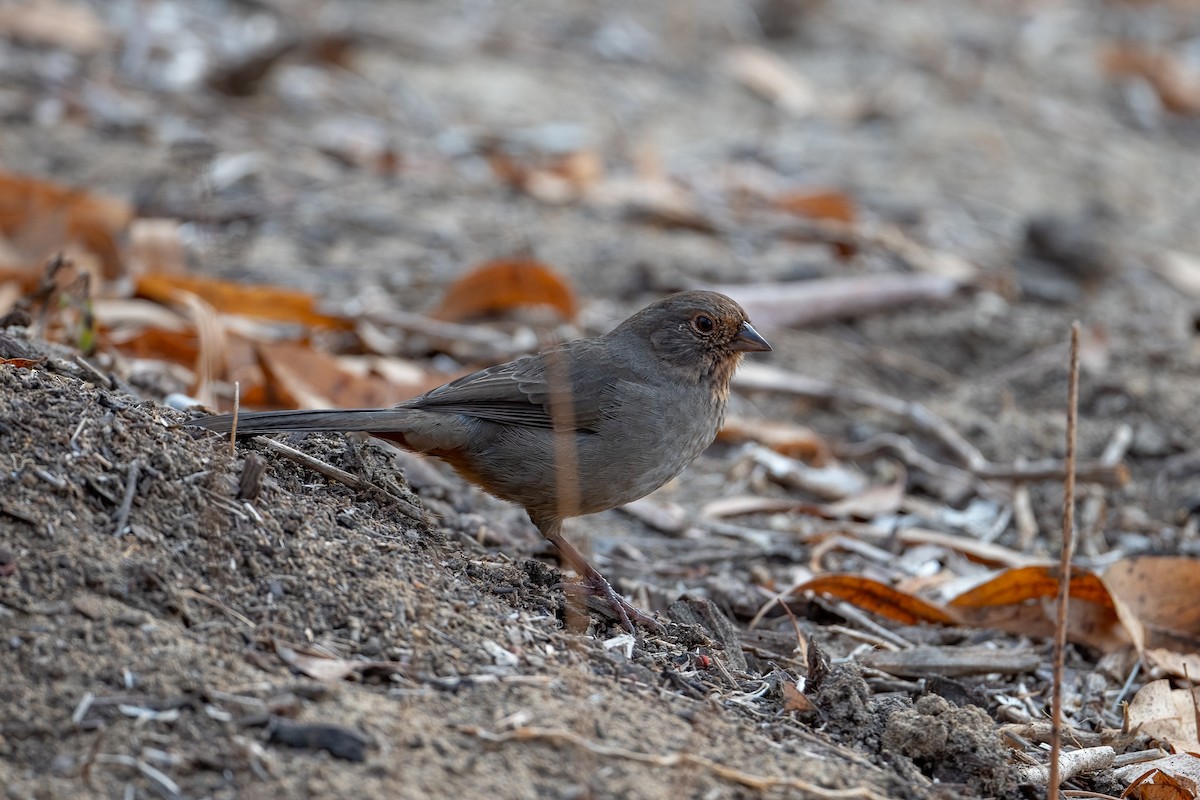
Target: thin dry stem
1064 572
237 408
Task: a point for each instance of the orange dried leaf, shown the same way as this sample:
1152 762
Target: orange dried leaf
264 302
878 598
499 286
22 363
179 347
1087 623
1028 583
1174 777
819 204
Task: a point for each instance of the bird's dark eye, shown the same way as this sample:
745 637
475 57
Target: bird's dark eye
703 323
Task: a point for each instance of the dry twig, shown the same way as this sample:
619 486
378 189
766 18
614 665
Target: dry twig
1064 572
131 481
339 475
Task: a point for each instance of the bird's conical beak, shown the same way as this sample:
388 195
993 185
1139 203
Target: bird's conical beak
749 340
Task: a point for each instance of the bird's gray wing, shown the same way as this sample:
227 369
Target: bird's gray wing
564 388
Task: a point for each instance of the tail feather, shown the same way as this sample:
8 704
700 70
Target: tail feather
367 420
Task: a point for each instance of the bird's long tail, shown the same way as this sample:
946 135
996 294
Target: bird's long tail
250 423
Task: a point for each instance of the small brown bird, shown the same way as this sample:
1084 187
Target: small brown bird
579 428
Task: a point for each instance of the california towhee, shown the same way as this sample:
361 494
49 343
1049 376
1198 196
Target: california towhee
579 428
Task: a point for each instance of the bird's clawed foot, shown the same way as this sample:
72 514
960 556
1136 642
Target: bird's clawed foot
630 615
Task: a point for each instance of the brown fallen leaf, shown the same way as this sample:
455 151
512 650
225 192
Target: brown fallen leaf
826 204
312 379
877 598
22 363
264 302
1173 777
1159 785
796 701
1155 596
818 204
1166 714
1088 624
498 286
1022 600
1018 585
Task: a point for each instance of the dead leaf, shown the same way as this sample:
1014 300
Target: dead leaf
830 482
1022 600
1155 596
818 204
1166 714
1029 583
1174 663
176 346
877 598
823 204
1087 623
1173 777
795 700
23 363
1158 785
312 379
499 286
264 302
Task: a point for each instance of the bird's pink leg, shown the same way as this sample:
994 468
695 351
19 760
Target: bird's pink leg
596 584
